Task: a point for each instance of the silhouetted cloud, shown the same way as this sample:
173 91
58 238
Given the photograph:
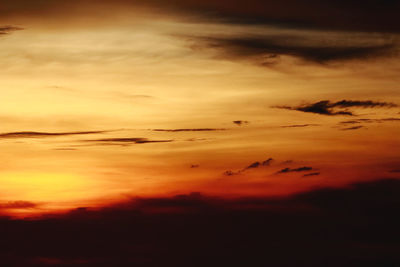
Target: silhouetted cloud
194 166
266 50
354 225
311 174
352 128
357 121
395 171
8 29
299 125
300 169
253 165
45 134
327 107
346 15
189 130
126 141
240 123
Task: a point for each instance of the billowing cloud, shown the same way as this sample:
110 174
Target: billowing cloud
327 107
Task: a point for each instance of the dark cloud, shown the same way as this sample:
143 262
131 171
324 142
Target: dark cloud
299 125
254 165
300 169
240 123
44 134
355 225
265 50
194 166
126 141
352 128
311 174
395 171
357 121
327 107
8 29
189 130
348 15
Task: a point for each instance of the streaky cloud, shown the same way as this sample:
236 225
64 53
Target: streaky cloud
28 134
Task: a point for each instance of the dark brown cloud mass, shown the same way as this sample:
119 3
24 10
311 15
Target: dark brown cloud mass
327 107
266 50
351 226
8 29
349 15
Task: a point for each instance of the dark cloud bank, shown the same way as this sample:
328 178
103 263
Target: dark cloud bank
352 226
326 107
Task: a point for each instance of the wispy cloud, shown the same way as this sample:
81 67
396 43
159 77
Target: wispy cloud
29 134
189 130
125 141
299 125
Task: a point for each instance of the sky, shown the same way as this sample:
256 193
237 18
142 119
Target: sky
199 133
106 100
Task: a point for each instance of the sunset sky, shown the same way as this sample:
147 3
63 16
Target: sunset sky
155 133
105 100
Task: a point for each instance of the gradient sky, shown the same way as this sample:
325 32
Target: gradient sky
105 100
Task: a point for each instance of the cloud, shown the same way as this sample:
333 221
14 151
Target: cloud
253 165
189 130
327 107
352 128
300 169
353 225
311 174
299 125
395 171
194 166
18 205
8 29
266 50
126 141
347 15
357 121
240 123
45 134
